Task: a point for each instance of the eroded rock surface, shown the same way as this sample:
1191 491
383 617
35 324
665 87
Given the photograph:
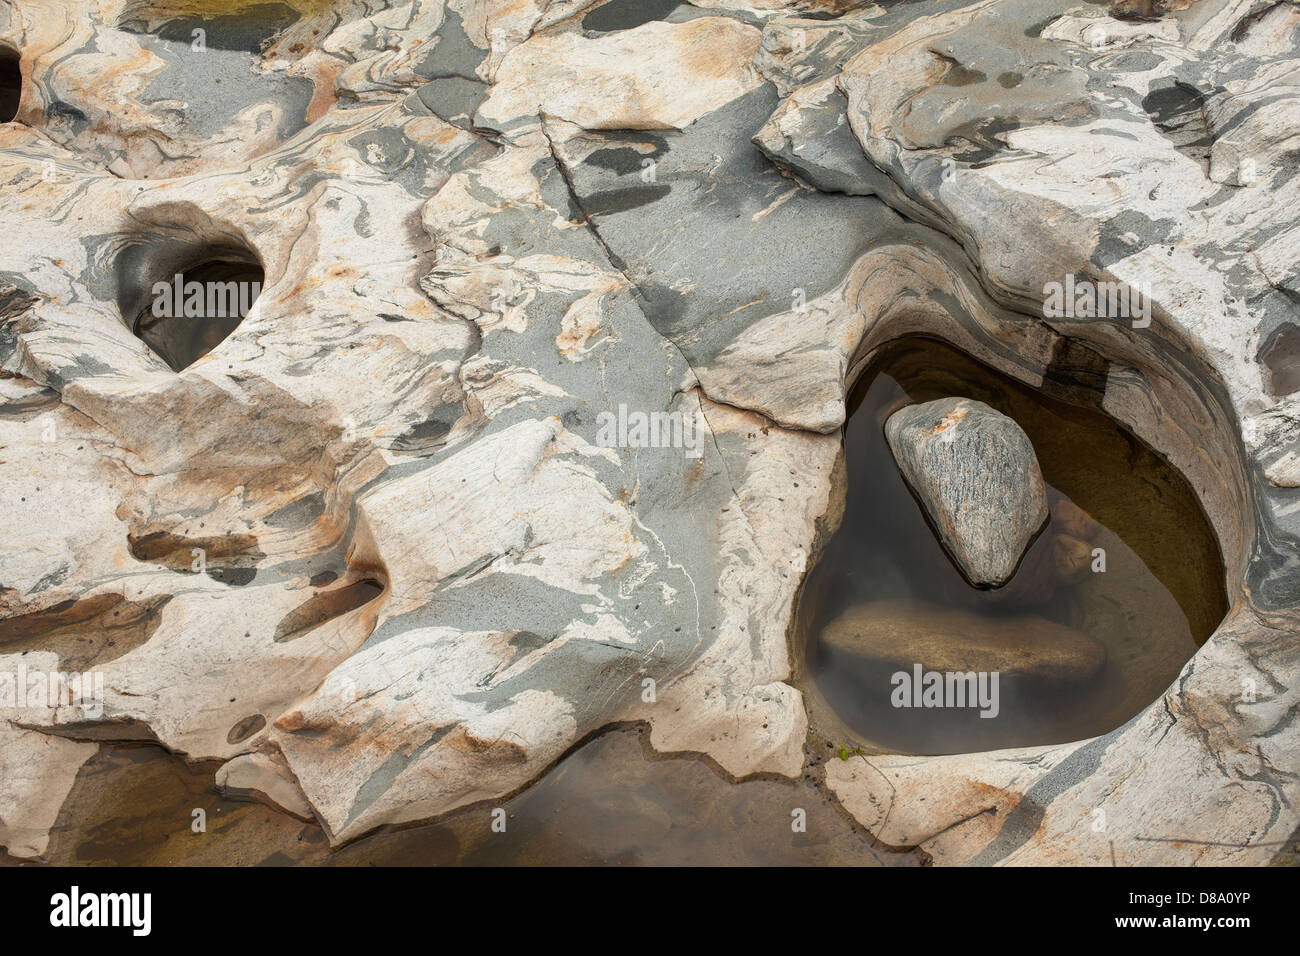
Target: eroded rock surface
375 553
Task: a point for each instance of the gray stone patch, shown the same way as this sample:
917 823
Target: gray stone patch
453 54
216 85
720 239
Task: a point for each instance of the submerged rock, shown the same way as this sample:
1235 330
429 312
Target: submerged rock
900 634
1071 557
975 472
1074 521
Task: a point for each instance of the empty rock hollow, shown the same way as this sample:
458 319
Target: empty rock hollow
193 310
11 84
182 279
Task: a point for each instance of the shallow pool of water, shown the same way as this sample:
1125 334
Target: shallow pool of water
611 801
1159 596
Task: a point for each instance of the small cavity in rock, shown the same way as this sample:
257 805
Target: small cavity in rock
11 85
190 313
1280 357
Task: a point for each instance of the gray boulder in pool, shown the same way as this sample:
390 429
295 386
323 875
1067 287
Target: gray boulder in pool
975 473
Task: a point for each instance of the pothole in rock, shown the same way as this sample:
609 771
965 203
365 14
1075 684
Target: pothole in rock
325 605
191 311
231 559
85 633
1121 584
617 15
11 85
1280 357
245 30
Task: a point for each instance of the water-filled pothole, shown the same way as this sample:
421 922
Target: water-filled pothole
1080 645
192 311
11 84
246 30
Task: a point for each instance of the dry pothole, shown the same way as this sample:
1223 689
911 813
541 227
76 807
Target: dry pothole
11 84
194 310
1280 358
1117 591
325 605
184 282
83 633
231 558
